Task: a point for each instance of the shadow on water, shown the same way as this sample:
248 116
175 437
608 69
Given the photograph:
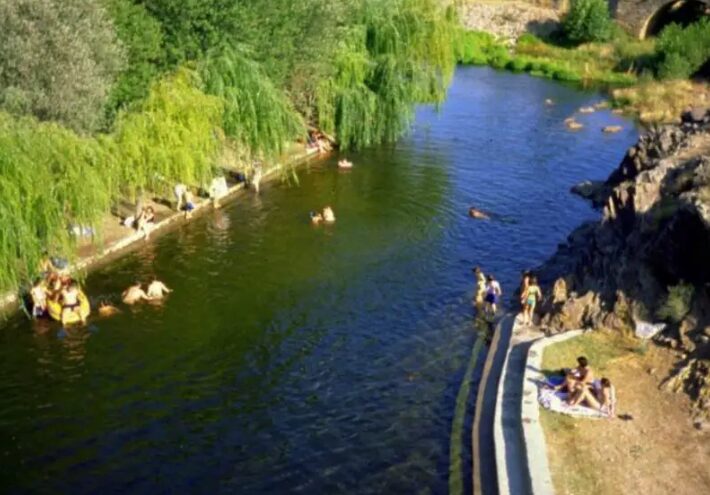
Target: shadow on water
294 358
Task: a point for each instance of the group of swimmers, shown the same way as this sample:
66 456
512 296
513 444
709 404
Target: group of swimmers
60 289
583 389
56 294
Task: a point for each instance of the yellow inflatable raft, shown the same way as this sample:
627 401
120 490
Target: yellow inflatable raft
54 309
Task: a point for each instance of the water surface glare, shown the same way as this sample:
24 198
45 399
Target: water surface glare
296 359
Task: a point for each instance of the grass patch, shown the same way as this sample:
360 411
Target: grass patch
661 101
599 347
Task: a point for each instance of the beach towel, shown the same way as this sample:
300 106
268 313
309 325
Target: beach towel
556 401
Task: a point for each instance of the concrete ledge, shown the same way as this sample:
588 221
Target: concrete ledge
498 437
534 438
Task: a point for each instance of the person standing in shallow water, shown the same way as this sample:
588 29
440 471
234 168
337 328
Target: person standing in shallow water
480 287
493 293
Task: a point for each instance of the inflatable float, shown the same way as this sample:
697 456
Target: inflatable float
54 309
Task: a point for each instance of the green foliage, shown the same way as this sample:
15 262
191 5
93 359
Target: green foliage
588 20
173 137
49 178
59 60
682 51
142 38
677 303
257 115
394 55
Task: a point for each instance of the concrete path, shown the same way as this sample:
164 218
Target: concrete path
511 453
484 462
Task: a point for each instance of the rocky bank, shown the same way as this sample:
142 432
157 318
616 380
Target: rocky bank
648 258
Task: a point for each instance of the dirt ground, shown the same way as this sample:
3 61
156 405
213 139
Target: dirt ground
656 450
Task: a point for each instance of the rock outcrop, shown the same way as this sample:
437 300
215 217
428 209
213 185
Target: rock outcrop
654 235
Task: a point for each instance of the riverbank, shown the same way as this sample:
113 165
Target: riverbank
524 38
645 259
624 455
118 240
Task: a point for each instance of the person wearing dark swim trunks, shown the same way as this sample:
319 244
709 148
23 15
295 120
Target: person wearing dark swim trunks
493 293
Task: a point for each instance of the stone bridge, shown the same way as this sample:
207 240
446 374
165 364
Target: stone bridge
645 18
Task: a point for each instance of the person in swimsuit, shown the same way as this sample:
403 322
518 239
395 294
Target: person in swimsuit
71 303
583 372
601 397
134 294
189 203
106 309
38 293
328 215
480 287
478 214
145 221
570 384
316 218
157 290
179 192
493 293
531 297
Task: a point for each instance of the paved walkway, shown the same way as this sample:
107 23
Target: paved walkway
499 453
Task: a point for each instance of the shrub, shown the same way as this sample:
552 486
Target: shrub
677 303
588 20
59 60
681 52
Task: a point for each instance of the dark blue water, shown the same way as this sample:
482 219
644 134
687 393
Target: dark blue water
300 359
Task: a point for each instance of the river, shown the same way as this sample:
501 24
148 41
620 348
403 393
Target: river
301 359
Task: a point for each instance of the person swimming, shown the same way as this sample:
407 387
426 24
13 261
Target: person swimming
157 289
328 215
134 294
478 214
107 309
316 218
345 164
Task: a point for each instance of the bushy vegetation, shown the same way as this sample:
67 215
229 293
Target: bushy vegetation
677 304
59 60
588 20
682 51
108 99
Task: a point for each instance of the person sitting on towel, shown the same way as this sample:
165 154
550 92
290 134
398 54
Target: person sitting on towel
583 372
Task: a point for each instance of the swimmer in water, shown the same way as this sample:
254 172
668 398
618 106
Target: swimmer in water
478 214
107 309
134 294
328 215
316 218
157 290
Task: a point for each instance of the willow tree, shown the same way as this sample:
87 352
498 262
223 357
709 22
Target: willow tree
174 136
50 180
397 53
258 116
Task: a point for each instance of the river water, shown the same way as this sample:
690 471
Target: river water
300 359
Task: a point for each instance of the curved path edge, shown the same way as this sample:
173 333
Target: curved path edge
536 451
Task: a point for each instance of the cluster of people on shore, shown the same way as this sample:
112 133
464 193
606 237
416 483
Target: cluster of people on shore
583 389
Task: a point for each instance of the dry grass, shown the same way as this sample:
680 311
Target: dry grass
658 451
662 101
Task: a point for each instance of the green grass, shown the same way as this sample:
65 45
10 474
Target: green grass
599 347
